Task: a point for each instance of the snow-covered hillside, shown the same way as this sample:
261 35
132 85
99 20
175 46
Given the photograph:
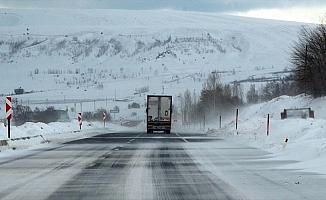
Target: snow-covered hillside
80 54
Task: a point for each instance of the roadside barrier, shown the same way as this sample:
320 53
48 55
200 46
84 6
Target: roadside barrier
26 141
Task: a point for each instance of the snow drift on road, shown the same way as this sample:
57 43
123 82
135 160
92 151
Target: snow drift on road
33 135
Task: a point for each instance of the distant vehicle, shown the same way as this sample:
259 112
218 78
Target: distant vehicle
159 112
19 91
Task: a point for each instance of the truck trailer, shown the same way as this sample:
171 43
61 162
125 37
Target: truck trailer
159 113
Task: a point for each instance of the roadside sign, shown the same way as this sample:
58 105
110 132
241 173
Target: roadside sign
9 112
104 118
114 111
8 108
80 120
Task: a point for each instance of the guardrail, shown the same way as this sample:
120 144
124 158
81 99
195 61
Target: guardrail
70 101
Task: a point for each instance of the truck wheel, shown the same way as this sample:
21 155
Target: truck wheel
168 132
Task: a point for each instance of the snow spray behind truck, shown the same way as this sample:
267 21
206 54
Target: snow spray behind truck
159 113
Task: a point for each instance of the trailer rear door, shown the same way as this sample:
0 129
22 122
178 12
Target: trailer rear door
165 109
153 109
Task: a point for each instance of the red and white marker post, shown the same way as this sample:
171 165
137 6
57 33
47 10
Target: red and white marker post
285 142
9 112
80 120
104 118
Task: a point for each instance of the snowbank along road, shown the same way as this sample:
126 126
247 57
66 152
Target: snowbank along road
153 166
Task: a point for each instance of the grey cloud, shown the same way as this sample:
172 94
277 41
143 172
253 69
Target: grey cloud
191 5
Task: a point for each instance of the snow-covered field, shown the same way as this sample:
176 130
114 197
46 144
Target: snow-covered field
306 137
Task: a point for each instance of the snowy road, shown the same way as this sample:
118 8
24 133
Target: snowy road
141 166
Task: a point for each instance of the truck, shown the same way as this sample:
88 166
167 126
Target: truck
159 113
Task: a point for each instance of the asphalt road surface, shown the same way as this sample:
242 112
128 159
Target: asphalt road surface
155 166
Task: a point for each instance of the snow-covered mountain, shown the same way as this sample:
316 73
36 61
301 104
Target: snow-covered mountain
93 53
144 36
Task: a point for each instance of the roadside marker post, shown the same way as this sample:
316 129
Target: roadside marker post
268 124
236 120
9 112
104 118
220 121
285 142
80 120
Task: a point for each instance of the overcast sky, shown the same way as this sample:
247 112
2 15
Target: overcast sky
295 10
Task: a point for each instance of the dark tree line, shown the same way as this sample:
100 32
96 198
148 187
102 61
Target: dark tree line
214 98
24 114
97 115
271 90
309 60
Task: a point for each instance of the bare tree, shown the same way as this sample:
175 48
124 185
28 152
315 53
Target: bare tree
252 94
187 108
309 59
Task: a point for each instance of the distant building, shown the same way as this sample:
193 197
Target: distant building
19 90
